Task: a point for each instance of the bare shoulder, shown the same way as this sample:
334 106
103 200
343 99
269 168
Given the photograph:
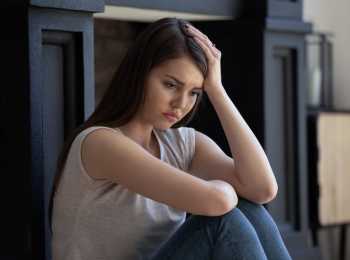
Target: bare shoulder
104 134
98 144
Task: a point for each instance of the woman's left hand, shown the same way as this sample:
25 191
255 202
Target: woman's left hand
212 82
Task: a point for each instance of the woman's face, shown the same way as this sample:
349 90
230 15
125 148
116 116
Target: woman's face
172 87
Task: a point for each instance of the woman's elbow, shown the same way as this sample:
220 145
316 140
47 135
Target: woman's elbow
269 195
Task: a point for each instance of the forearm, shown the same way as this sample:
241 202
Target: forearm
252 168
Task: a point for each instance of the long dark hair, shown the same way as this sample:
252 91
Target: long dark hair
162 40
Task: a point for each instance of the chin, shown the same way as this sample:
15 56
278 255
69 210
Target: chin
164 126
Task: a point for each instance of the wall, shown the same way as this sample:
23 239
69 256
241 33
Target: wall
333 17
112 38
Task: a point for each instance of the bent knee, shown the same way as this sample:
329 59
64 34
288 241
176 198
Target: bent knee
234 218
236 223
249 205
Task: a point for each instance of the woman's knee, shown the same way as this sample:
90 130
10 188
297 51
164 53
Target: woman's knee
257 215
235 218
233 222
253 210
247 204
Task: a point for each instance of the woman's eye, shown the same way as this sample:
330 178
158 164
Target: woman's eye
170 85
195 94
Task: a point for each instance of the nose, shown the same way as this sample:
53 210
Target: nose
180 102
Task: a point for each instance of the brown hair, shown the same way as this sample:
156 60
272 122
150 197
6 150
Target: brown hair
162 40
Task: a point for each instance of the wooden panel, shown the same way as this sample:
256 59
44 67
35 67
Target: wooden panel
334 168
212 7
285 137
61 96
71 68
287 25
281 143
53 121
81 5
280 119
285 8
62 110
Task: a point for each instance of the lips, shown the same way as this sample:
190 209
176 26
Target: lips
171 117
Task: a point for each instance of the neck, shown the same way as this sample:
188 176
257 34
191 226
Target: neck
139 133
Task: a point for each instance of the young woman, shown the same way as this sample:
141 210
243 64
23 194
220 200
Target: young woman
129 174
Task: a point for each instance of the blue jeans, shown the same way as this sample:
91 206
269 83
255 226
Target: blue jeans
247 232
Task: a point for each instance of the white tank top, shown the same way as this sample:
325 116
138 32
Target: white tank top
101 220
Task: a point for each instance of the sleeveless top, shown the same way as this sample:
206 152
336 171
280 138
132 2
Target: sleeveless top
101 220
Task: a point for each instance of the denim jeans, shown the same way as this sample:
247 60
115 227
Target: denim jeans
246 232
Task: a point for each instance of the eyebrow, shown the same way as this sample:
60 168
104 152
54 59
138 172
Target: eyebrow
179 81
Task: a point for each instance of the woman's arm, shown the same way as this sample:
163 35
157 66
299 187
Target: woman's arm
107 154
251 166
252 172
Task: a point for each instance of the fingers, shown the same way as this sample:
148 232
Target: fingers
214 52
208 52
203 40
198 32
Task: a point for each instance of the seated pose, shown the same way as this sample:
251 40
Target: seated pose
129 174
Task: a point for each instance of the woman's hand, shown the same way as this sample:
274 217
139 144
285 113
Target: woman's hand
212 83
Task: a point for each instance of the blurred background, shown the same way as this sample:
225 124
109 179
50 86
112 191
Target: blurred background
284 65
